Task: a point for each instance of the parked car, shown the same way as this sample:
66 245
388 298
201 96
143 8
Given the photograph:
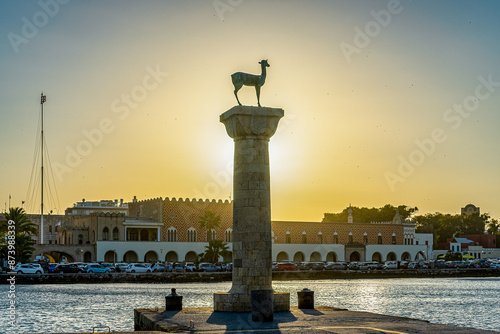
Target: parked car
138 268
71 268
179 267
439 264
404 264
390 265
335 266
315 266
97 268
228 267
111 266
205 266
80 265
51 266
286 266
190 266
27 269
367 265
160 267
353 265
495 265
120 267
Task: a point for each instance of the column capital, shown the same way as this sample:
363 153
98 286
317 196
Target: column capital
251 122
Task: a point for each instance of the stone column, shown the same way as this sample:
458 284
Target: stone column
251 128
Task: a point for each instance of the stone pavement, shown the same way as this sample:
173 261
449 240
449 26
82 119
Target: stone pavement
322 319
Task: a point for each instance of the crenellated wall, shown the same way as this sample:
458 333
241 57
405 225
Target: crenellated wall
183 214
146 209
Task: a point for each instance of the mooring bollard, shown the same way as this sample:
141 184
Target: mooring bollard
262 305
173 302
306 299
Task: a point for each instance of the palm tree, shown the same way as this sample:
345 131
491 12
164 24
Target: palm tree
24 228
209 221
23 223
215 249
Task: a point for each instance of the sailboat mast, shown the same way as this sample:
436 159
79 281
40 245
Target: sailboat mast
42 100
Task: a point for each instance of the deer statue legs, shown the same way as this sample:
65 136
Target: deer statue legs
239 79
257 90
236 89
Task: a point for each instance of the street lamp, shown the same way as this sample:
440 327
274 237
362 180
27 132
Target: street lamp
114 255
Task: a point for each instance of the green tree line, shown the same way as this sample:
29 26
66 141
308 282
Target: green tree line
441 225
367 215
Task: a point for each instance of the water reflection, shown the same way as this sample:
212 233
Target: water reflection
78 307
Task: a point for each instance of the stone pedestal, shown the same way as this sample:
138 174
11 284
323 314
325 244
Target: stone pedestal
251 128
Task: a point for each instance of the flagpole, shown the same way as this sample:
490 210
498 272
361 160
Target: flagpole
42 100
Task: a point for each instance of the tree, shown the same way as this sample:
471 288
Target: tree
215 249
22 232
453 256
23 223
367 215
493 227
472 224
209 221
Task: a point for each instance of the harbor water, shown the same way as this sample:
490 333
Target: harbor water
468 302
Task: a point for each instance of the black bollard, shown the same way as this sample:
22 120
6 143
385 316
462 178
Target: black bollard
262 305
173 302
306 299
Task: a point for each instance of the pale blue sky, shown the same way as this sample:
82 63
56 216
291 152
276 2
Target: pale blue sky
349 119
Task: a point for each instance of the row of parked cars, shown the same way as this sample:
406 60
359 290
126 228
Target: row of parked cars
60 268
374 265
293 266
103 267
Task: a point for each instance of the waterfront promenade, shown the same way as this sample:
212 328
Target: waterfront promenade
322 319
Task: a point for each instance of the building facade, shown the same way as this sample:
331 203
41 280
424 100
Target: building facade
181 238
84 208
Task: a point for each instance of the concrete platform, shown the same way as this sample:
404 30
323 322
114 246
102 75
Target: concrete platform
322 319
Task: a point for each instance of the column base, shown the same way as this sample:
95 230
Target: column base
235 302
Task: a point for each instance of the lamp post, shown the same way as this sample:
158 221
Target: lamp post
114 256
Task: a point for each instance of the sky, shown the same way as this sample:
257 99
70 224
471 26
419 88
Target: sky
386 102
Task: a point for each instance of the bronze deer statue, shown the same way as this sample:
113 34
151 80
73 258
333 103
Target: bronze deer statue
239 79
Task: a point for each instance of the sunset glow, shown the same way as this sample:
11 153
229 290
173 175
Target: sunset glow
385 101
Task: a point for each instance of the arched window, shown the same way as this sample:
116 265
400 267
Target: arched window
320 237
379 239
351 240
335 238
304 237
228 235
394 238
134 235
105 233
288 238
192 235
211 235
116 234
365 238
80 239
172 234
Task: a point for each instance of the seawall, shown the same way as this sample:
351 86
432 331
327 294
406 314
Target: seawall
223 277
